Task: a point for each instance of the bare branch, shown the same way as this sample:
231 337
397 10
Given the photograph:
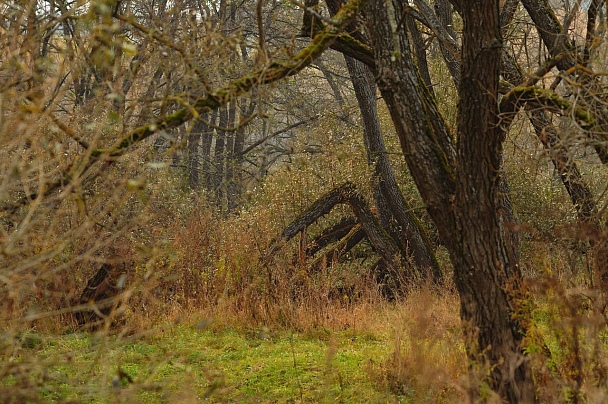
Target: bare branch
213 100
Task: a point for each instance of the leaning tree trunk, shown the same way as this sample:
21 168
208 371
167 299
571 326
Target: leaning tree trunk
382 243
410 236
100 295
462 189
409 232
347 233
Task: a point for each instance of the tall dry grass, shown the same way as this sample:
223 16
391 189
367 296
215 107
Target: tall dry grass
220 268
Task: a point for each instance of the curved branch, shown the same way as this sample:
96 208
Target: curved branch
383 244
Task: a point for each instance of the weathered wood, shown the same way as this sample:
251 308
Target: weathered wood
382 243
100 294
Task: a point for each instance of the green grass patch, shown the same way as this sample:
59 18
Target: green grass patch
184 364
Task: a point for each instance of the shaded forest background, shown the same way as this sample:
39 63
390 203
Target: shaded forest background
169 159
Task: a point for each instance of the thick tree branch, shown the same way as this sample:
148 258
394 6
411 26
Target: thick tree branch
551 31
351 42
447 41
346 194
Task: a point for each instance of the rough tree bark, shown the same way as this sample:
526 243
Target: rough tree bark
486 270
550 31
408 233
461 188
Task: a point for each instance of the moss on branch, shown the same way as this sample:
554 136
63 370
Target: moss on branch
266 75
520 96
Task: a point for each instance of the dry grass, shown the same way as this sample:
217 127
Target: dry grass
215 270
428 363
205 268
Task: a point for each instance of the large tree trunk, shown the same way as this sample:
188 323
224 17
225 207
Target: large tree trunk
462 192
486 271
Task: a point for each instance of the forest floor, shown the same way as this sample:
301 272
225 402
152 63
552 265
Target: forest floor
406 354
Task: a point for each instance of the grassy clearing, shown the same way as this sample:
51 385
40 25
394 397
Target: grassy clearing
183 363
396 359
408 352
